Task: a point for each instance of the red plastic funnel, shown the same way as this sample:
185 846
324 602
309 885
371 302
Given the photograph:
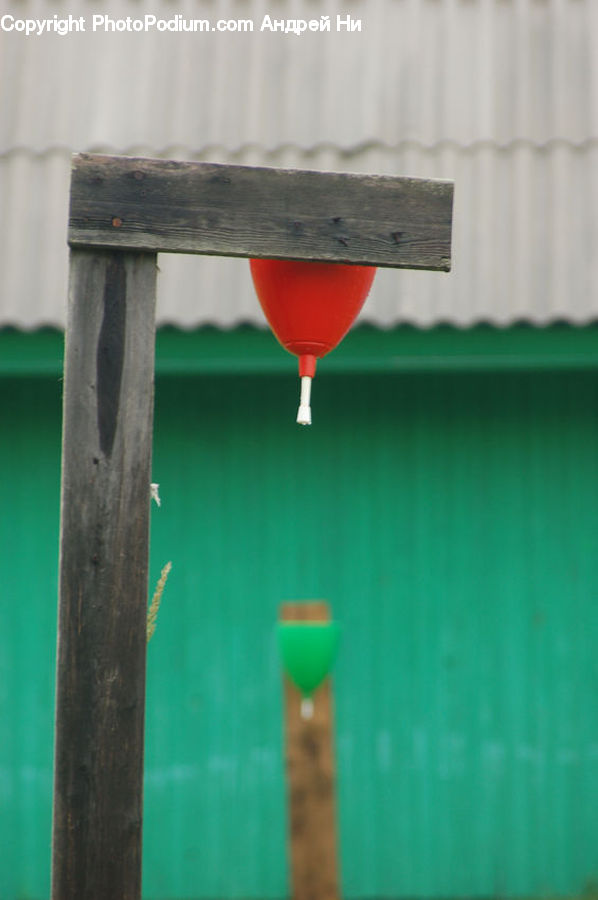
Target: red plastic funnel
310 306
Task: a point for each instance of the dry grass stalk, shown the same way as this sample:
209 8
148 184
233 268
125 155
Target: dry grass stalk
152 613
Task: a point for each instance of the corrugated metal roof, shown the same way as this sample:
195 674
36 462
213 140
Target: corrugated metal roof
420 70
500 96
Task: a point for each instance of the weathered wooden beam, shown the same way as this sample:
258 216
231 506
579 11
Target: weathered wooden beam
100 700
310 780
182 207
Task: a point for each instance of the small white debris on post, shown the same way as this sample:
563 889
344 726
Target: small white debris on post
307 708
304 413
154 493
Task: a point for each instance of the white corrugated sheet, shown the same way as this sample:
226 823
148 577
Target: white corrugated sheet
499 95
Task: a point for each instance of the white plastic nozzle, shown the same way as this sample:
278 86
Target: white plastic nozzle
304 413
307 708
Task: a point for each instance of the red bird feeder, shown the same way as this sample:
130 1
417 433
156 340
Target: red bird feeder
310 306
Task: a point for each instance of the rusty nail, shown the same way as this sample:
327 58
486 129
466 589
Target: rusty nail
116 222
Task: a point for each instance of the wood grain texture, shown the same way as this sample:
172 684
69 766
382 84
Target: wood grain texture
182 207
100 699
310 765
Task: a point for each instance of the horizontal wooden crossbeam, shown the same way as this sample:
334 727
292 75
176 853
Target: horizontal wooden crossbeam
169 206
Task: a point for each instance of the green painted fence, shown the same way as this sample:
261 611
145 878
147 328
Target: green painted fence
451 522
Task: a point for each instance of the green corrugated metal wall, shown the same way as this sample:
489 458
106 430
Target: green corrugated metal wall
451 523
29 492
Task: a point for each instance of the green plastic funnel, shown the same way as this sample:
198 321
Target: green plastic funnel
308 650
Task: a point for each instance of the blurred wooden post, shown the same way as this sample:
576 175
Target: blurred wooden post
310 780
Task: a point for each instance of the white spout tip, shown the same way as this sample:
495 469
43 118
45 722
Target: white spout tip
307 708
304 415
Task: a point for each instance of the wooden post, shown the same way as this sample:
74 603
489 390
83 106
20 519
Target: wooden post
100 697
123 211
310 778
